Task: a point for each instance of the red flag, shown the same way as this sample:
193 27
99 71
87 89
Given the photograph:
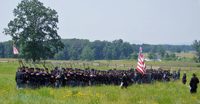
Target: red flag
141 67
15 51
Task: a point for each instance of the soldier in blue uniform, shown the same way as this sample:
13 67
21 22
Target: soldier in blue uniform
19 78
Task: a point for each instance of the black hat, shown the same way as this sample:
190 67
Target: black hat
19 68
56 67
26 67
42 69
23 66
32 68
46 68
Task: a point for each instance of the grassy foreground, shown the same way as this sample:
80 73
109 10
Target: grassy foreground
157 93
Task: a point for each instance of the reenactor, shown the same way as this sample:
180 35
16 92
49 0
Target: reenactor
38 77
26 77
160 77
86 78
92 78
184 78
64 77
174 76
178 74
81 78
124 82
100 78
52 79
68 79
150 76
78 76
43 76
47 77
58 79
19 78
23 69
136 77
193 83
32 78
72 78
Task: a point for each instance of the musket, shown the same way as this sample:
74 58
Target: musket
84 65
40 65
80 66
75 65
22 63
34 65
71 65
50 68
52 64
66 65
44 64
25 63
29 64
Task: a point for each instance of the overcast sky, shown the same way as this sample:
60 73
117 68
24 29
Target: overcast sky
134 21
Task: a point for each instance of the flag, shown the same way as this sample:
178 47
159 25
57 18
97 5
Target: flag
141 66
15 51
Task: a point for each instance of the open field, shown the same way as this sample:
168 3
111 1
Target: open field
186 55
157 93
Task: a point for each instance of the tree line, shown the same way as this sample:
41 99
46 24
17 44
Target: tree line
83 49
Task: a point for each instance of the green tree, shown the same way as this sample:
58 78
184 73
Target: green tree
87 54
134 55
151 55
196 46
35 29
178 50
161 51
167 55
2 50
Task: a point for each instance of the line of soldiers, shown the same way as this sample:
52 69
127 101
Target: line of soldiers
34 78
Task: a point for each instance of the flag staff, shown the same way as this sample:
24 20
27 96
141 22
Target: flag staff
15 51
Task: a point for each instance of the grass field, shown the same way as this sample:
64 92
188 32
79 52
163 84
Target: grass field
157 93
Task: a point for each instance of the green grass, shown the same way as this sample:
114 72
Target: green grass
157 93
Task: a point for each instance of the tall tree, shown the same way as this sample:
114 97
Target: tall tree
134 55
178 50
1 50
87 54
196 46
151 55
35 29
161 51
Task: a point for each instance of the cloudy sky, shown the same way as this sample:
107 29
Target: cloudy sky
134 21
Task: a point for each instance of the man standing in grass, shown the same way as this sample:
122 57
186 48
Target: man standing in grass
19 78
193 84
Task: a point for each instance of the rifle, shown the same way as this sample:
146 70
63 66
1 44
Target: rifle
29 64
44 64
40 65
66 65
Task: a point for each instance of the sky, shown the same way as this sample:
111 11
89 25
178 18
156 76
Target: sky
175 22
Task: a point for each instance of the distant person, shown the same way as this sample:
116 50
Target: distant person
184 78
124 81
178 74
193 84
19 78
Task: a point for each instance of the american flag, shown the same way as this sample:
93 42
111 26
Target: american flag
15 51
141 67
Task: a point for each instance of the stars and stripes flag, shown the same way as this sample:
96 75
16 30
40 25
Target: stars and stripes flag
141 67
15 51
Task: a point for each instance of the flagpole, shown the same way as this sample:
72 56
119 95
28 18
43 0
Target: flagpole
17 54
